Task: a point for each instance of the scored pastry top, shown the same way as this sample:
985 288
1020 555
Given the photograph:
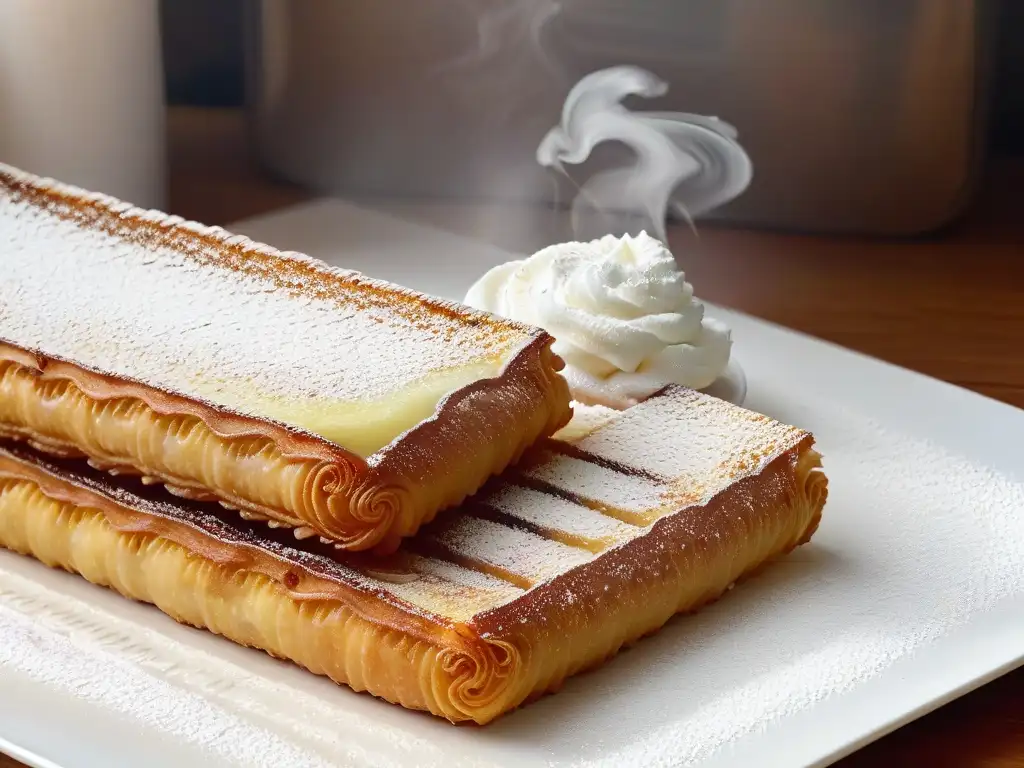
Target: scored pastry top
214 317
568 516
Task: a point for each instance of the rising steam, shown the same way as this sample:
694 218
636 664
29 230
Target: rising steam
509 54
517 26
684 164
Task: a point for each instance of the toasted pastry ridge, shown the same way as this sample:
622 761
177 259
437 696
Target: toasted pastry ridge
534 580
188 394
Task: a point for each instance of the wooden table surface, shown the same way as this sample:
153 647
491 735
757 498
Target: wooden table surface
950 305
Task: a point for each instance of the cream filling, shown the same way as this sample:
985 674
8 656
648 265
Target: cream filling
364 426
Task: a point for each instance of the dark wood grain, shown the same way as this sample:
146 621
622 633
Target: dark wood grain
949 305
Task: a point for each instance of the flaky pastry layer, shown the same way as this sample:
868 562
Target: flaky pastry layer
325 636
314 396
270 471
348 617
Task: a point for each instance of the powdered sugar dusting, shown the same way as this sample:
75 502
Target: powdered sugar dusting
449 590
585 493
116 684
513 550
673 450
235 328
556 514
586 419
598 484
698 441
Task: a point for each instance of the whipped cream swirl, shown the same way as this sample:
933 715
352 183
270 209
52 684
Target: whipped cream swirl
623 316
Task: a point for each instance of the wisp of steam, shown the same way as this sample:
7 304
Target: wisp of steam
684 163
514 27
510 53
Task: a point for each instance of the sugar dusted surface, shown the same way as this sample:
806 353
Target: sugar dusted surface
701 443
585 490
450 590
179 317
598 484
556 514
670 452
516 551
446 590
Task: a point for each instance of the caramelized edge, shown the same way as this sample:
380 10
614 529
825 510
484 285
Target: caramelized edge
483 430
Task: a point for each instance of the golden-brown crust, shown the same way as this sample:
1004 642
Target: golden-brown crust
276 471
461 670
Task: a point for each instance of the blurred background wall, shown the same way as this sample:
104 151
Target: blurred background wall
203 51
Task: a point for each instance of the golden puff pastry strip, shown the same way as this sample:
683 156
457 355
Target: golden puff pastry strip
550 571
274 383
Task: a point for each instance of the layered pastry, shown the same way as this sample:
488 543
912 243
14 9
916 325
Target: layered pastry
583 548
314 398
624 317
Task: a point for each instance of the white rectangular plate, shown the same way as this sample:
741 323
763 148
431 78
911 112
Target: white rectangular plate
911 593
